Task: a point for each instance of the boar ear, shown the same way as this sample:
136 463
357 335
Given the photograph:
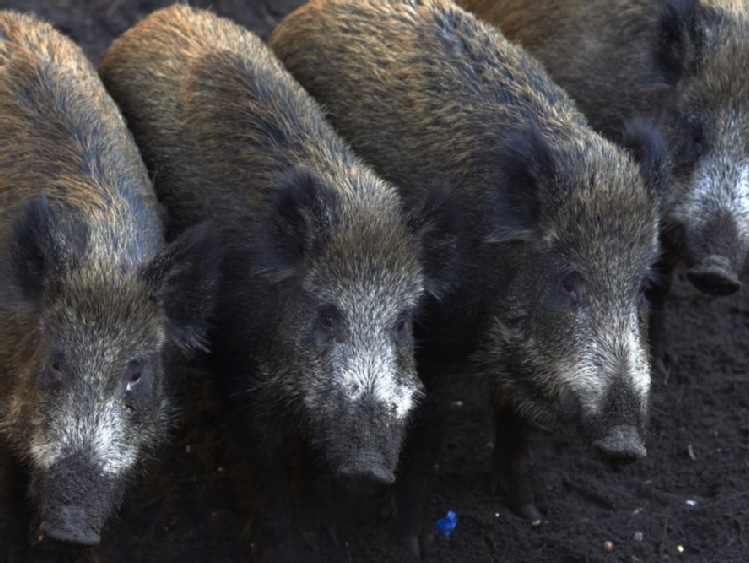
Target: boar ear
43 245
644 141
678 42
435 222
183 278
293 224
526 163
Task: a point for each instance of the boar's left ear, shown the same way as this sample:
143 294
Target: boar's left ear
678 42
183 278
435 222
294 224
42 246
525 165
644 141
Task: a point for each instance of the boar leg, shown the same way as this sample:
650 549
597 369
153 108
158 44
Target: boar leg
511 469
312 498
657 295
413 486
275 538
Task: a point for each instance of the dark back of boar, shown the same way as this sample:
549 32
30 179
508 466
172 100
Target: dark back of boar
324 268
560 224
94 303
680 62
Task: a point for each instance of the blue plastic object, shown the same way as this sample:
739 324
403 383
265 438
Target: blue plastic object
445 526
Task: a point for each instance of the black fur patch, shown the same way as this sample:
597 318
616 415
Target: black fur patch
184 278
525 163
678 42
644 140
435 221
294 225
43 246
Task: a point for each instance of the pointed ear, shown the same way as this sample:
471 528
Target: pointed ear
646 144
525 164
435 223
294 224
43 245
678 42
183 278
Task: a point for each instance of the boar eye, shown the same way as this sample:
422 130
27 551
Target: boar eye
57 363
570 286
328 321
642 298
52 378
694 145
133 374
402 322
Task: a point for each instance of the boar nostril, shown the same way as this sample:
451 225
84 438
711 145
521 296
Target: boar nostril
69 524
714 279
621 445
365 476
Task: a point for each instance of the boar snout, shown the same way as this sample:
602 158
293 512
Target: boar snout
622 444
365 474
75 499
714 276
69 524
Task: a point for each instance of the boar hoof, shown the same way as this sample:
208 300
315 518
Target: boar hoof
332 532
69 524
714 279
311 539
418 547
530 512
621 445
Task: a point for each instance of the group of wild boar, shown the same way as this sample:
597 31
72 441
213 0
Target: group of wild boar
447 222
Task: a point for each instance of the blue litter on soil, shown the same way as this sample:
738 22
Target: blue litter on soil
445 526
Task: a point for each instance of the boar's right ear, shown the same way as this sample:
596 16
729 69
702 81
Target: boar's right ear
525 164
678 42
644 141
294 224
183 278
435 222
42 246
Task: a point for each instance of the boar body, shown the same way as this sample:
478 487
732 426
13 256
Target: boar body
682 64
95 306
324 269
560 225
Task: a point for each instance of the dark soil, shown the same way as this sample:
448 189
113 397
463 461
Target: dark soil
692 490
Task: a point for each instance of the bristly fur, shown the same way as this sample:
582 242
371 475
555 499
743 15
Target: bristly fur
94 303
561 225
325 266
681 64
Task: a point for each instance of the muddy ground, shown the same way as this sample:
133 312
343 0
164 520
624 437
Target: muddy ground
692 490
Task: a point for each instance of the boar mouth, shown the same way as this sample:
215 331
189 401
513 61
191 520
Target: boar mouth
366 474
621 445
69 524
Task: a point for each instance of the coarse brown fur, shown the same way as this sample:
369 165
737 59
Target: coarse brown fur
324 269
682 63
427 93
90 318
